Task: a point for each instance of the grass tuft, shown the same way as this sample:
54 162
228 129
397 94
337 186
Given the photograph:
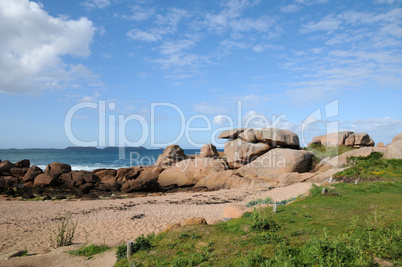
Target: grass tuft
90 250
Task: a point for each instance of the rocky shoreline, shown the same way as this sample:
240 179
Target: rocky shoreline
251 157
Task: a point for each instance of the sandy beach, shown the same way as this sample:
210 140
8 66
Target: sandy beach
29 223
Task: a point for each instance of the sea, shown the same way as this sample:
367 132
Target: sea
87 158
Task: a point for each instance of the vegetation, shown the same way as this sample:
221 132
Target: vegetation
64 234
322 152
371 168
350 225
90 250
141 243
268 200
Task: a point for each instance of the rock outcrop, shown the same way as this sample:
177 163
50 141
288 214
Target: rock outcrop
397 138
147 181
31 174
278 137
188 172
239 152
55 169
5 167
380 145
208 151
334 139
345 138
45 180
171 155
229 179
231 134
276 162
394 150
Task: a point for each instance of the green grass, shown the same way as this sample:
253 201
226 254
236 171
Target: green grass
90 250
371 168
349 225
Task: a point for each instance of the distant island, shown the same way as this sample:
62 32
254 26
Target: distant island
105 148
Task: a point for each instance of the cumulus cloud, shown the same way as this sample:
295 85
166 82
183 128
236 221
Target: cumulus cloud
33 44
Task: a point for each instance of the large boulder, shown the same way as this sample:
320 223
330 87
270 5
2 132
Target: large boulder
18 172
333 139
277 161
147 181
278 137
171 155
397 138
7 182
394 150
5 166
188 172
208 151
231 134
84 177
45 180
228 180
359 140
250 135
32 172
239 152
55 169
25 163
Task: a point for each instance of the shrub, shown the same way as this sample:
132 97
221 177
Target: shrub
261 221
64 234
316 190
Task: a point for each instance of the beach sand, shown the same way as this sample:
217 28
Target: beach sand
29 223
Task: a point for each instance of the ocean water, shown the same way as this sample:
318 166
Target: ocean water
86 159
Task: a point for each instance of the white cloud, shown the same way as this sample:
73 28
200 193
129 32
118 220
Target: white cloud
220 120
291 8
33 44
101 4
139 13
381 130
137 34
230 18
328 23
164 25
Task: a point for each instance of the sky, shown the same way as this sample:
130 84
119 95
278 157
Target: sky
154 73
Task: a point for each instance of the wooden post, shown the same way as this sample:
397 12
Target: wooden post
274 207
324 191
129 248
356 181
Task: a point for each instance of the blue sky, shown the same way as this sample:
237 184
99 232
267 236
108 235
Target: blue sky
279 59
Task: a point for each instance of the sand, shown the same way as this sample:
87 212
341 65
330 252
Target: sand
29 223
